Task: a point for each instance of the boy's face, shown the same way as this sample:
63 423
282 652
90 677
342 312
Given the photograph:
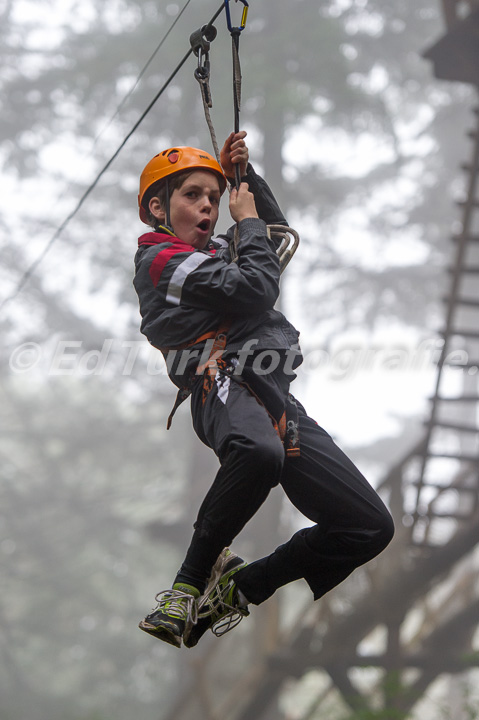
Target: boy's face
194 208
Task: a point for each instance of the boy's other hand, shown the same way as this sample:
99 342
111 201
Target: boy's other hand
242 204
234 151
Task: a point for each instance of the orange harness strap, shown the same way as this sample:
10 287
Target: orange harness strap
288 426
211 365
214 363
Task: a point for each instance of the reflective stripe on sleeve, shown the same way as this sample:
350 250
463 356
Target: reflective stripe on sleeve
175 286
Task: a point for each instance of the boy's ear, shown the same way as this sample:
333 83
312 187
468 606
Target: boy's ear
156 209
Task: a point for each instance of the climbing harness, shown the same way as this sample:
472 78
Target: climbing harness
200 42
287 428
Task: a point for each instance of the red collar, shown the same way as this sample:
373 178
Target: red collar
155 238
158 238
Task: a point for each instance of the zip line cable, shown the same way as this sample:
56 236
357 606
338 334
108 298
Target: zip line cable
34 265
140 74
126 97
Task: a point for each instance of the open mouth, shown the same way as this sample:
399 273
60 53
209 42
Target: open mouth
204 225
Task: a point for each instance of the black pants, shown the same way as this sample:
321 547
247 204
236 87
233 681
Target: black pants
352 525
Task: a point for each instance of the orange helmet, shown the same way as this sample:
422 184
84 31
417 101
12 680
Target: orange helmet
172 161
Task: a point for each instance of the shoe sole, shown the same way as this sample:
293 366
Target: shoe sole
167 634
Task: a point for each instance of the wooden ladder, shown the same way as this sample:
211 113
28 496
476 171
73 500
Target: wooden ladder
447 482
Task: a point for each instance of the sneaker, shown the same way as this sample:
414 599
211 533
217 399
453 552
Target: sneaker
218 608
174 615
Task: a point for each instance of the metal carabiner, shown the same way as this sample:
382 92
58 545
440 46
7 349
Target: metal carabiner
243 16
202 72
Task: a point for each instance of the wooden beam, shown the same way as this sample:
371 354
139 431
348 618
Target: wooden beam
449 10
456 55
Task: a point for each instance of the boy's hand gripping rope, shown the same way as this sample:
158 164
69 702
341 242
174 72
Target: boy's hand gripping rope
200 43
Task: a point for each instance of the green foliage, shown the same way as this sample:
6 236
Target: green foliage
386 714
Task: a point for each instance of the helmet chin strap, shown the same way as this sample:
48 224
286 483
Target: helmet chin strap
167 199
167 224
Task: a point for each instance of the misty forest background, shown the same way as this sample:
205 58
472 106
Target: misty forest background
362 147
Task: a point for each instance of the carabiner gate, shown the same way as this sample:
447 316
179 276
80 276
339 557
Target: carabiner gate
243 16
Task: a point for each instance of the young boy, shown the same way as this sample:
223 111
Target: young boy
209 307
